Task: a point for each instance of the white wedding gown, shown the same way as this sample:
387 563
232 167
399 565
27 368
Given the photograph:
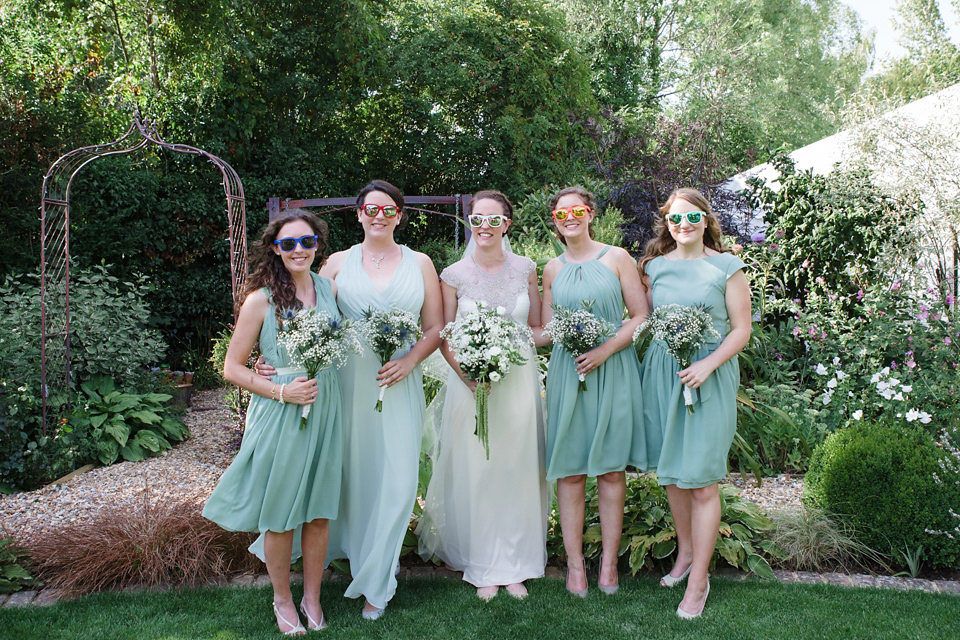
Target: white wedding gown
488 518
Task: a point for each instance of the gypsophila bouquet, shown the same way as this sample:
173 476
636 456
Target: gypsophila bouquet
386 332
684 330
578 331
316 341
485 344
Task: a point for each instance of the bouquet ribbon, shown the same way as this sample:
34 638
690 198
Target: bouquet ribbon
291 371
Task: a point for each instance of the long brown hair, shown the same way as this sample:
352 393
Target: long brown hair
588 199
268 269
663 243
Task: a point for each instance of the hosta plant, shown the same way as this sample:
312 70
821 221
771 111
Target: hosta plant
133 426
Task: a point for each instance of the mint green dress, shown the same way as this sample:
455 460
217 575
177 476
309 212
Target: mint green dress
381 450
599 430
283 476
695 446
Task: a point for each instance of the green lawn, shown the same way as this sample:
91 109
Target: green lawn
442 608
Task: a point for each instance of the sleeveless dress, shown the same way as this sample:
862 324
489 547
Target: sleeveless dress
695 446
381 450
488 518
599 430
283 476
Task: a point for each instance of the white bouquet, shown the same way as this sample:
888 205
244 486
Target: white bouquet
578 331
485 344
684 330
386 332
316 341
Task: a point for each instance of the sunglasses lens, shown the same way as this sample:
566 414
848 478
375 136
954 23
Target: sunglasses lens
288 244
674 218
475 221
370 210
495 221
694 217
389 211
578 212
308 242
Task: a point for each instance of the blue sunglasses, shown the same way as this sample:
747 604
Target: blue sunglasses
289 244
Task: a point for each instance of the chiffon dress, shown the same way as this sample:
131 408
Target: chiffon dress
283 476
695 446
599 430
488 518
381 450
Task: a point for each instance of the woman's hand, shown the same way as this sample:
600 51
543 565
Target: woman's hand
592 359
696 374
395 371
300 391
263 369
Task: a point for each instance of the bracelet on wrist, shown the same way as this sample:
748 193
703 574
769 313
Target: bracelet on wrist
281 393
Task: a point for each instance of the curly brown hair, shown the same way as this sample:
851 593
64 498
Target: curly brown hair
268 270
588 199
663 243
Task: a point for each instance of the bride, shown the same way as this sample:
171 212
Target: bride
488 517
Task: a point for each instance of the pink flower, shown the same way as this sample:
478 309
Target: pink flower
736 248
896 285
796 331
947 340
860 294
911 364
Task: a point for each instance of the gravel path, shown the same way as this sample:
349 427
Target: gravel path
191 469
188 472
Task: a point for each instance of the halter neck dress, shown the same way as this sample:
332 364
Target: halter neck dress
599 430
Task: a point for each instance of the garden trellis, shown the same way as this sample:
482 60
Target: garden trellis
55 245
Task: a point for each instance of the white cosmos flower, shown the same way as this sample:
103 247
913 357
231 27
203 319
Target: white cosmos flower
836 361
857 414
841 375
820 370
906 388
898 397
826 398
875 378
912 415
925 417
832 384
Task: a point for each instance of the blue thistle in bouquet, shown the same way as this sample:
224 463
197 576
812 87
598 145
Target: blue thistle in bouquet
316 341
578 331
386 332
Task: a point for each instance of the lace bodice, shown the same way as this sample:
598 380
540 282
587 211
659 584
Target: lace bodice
506 288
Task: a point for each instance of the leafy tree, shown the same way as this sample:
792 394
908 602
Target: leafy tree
932 61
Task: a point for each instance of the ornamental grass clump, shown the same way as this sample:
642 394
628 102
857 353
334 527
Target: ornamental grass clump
152 545
810 540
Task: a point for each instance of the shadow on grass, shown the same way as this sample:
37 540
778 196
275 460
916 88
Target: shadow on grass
443 608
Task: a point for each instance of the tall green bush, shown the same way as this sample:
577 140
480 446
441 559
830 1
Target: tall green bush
879 478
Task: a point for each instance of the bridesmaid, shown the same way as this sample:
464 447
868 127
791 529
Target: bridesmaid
488 517
594 432
381 450
687 264
284 478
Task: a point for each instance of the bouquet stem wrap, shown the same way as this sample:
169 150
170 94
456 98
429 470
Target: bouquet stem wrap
482 430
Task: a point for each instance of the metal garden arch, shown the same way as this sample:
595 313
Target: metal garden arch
55 244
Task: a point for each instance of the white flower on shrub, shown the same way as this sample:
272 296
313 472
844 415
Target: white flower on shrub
857 414
906 388
832 384
820 370
836 361
827 397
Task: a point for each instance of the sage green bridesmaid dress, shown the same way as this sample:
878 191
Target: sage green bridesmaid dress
284 476
599 430
381 450
695 446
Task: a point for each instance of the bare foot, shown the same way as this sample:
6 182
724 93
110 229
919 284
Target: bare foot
287 619
517 590
487 593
